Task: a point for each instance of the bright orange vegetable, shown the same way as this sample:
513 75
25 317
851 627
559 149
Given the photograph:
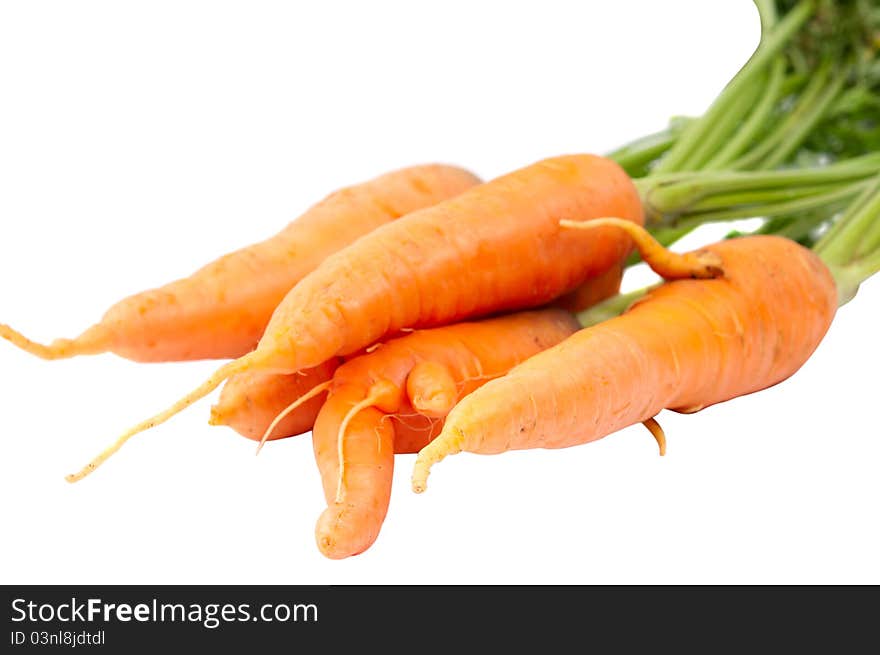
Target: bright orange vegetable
221 310
395 398
250 401
687 345
497 246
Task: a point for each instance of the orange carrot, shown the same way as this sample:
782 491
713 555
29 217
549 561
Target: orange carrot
687 345
222 309
250 401
394 399
497 246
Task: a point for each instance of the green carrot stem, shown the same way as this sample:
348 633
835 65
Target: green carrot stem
635 156
771 44
793 83
832 235
726 124
805 103
772 208
851 250
666 196
802 128
755 121
767 14
736 199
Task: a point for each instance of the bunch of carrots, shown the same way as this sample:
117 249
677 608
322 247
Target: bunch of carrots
426 311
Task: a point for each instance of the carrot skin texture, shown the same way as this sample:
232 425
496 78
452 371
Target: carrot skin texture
250 401
221 310
495 247
468 353
687 345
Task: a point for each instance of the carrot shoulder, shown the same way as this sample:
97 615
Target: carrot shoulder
688 344
221 310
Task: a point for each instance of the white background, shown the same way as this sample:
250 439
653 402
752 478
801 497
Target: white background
140 140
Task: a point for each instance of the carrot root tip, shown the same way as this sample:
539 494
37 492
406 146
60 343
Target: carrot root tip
216 417
221 374
90 342
658 434
421 471
700 264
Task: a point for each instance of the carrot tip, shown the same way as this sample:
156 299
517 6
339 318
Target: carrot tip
215 418
198 393
420 476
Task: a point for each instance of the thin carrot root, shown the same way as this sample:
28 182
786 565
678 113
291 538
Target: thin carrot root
314 391
700 264
340 448
90 342
655 429
236 366
434 452
386 396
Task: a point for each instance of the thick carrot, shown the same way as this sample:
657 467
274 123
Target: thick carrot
222 309
498 246
394 399
686 345
250 401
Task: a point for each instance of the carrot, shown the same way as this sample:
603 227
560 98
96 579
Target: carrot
222 309
497 246
395 398
250 401
686 345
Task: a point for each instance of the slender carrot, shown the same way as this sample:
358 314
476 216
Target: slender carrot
498 246
222 309
685 345
395 397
